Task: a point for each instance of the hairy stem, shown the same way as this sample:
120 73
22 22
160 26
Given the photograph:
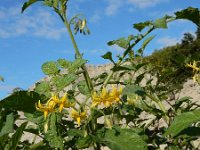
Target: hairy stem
77 52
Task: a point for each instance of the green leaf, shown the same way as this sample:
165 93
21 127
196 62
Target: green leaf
8 127
76 132
43 87
161 22
140 26
21 101
50 68
121 68
64 63
28 3
145 43
52 136
76 65
181 100
108 56
62 81
83 142
17 135
82 86
183 121
172 147
123 139
121 42
139 78
131 90
191 132
190 13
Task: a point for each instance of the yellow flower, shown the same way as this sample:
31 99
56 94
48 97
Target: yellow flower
63 102
78 116
115 94
46 108
193 66
196 78
95 99
107 98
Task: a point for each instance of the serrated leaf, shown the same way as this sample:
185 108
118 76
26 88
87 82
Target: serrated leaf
43 87
50 68
19 99
76 65
123 139
161 22
140 26
52 136
8 126
17 135
62 81
121 42
64 63
108 56
28 3
183 121
190 13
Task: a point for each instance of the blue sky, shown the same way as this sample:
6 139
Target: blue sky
30 39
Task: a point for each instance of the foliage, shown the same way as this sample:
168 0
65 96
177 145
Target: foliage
170 62
71 110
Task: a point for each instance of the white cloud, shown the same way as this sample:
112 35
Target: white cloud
145 3
38 23
95 17
167 41
113 7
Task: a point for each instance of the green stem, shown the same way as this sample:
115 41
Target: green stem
125 54
161 106
35 146
78 54
130 47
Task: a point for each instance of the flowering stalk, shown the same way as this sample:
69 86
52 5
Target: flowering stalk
77 52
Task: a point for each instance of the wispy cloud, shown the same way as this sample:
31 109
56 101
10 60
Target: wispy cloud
113 7
95 17
145 3
39 23
168 41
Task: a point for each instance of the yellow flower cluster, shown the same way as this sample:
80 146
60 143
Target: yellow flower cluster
51 104
78 116
107 98
196 71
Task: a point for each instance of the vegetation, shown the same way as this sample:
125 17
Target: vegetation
106 110
169 62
